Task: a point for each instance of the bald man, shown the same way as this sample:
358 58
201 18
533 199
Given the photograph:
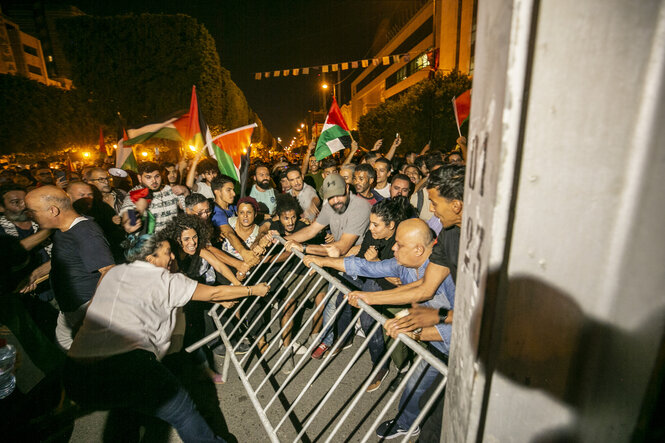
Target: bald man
79 257
413 248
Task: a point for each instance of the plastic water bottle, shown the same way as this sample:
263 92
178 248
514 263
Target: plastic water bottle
7 360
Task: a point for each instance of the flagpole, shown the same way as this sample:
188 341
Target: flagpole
456 118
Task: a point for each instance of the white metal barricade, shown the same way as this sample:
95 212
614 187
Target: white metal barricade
233 325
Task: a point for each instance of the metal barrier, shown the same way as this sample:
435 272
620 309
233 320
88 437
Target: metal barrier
227 331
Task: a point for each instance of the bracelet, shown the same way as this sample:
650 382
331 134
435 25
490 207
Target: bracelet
443 315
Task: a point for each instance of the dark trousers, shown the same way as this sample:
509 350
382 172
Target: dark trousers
137 381
376 343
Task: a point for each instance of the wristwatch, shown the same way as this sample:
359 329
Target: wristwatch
304 249
416 334
443 315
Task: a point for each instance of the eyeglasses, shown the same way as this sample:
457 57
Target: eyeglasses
100 179
204 212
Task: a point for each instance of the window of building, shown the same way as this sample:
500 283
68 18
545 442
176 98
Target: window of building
407 70
35 70
30 50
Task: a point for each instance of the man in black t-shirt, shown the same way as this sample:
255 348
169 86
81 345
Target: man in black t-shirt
79 257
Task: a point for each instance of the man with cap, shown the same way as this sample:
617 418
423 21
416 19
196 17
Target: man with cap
347 216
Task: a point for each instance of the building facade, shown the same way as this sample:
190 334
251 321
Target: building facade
22 54
442 29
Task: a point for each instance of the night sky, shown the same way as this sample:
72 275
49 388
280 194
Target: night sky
267 35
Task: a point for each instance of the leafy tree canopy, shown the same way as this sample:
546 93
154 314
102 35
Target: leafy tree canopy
422 113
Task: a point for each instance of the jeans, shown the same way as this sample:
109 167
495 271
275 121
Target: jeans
135 380
328 313
416 386
376 343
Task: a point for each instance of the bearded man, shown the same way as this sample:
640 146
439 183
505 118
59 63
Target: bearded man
261 191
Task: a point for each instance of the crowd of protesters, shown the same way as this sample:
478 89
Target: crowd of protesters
106 272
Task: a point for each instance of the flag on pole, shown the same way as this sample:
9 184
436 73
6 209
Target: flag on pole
124 155
231 150
171 129
462 108
197 135
102 145
335 135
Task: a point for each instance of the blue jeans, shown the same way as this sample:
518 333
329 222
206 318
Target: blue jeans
376 345
137 381
416 386
328 313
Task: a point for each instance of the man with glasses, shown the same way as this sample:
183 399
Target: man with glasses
101 180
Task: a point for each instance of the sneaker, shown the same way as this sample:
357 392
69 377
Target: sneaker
320 351
376 383
243 347
390 429
289 365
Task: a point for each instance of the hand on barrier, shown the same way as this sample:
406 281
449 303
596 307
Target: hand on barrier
309 259
354 296
261 289
249 257
228 304
291 245
329 238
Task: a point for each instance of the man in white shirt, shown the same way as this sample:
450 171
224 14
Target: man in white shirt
304 193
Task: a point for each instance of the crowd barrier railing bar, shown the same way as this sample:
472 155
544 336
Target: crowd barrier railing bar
316 276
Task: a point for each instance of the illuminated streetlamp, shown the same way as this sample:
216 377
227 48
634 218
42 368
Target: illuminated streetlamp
302 125
86 154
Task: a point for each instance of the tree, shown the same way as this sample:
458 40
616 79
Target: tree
39 118
142 68
423 113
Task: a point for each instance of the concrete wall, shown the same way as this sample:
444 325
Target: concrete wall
560 311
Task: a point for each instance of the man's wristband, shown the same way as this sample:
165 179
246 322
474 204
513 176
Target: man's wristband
304 249
443 315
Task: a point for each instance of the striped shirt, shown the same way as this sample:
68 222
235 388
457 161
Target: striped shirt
164 205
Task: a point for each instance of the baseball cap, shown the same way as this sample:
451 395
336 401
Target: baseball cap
333 186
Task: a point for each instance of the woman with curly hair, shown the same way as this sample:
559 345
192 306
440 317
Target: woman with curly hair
191 236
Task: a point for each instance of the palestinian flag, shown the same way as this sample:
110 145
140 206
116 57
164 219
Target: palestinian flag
171 129
197 135
462 108
231 150
124 155
335 135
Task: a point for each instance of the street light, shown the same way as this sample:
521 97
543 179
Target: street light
302 125
324 85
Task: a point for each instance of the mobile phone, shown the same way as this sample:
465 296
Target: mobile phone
132 216
397 135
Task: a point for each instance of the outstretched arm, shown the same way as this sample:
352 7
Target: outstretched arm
223 293
419 290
